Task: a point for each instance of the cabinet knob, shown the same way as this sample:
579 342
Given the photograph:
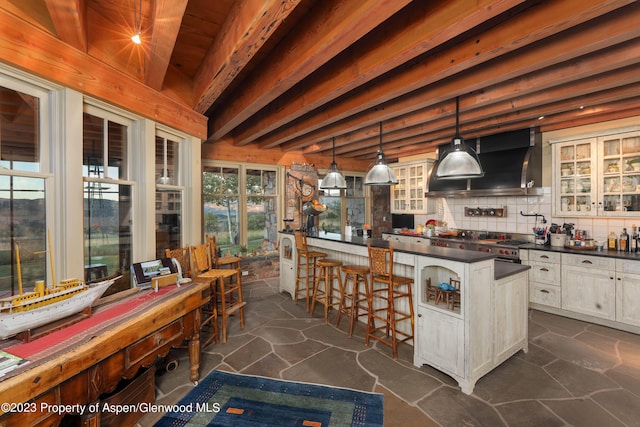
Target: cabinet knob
544 256
419 315
544 291
544 269
586 261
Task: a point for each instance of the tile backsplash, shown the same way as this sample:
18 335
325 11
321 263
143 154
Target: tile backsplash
452 211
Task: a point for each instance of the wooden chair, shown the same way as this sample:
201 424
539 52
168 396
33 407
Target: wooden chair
182 255
226 294
450 298
308 267
226 261
387 290
431 292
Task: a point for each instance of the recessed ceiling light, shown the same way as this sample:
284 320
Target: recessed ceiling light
582 107
541 117
136 38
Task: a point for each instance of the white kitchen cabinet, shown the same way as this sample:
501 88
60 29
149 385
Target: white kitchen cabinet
510 316
588 285
392 237
489 326
628 292
544 277
287 263
408 195
598 175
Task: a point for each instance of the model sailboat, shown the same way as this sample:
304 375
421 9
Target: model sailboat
46 304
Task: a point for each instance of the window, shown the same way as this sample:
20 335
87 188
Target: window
262 209
108 206
243 222
169 193
221 209
23 183
344 206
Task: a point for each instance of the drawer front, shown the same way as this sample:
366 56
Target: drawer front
544 294
544 256
586 261
545 273
627 266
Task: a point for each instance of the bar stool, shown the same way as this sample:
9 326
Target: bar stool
356 289
308 267
327 276
388 289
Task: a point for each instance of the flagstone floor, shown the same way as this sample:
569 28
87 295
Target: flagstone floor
575 373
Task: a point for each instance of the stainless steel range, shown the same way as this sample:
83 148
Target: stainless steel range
505 246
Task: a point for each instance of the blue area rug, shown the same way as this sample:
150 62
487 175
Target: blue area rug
226 399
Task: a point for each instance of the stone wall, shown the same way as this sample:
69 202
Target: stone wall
261 267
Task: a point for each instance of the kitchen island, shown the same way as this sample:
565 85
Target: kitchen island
466 341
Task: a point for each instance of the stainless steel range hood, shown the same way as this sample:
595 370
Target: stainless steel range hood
512 162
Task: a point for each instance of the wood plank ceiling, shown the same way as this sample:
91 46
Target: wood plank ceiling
293 74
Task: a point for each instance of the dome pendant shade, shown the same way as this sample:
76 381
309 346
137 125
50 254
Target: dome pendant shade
460 161
334 180
380 173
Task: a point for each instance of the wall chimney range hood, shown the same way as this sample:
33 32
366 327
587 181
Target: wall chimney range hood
512 164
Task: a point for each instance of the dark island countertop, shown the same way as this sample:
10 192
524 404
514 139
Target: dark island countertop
501 269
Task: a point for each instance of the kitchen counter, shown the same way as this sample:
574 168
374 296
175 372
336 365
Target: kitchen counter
602 253
501 269
411 248
464 340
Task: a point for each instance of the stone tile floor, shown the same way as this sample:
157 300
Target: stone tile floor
575 373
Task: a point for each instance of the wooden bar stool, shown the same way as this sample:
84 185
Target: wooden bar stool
227 294
356 290
386 291
329 295
305 271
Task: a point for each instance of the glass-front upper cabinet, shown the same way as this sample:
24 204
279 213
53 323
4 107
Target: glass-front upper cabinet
597 176
408 195
399 191
575 194
620 165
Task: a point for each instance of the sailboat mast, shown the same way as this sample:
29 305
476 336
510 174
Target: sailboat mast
53 272
19 269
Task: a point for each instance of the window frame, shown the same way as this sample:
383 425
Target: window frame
243 195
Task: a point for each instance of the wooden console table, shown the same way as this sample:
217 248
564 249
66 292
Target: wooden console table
78 374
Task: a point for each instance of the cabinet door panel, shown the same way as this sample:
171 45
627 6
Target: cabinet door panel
628 296
441 340
589 291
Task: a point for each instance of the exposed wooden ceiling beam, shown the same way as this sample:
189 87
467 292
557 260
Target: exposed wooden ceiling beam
337 25
244 33
418 29
534 66
567 80
69 18
165 23
530 26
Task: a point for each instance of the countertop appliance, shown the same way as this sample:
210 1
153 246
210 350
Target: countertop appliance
504 245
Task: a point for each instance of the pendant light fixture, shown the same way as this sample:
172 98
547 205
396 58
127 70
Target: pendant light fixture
334 179
459 161
380 173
